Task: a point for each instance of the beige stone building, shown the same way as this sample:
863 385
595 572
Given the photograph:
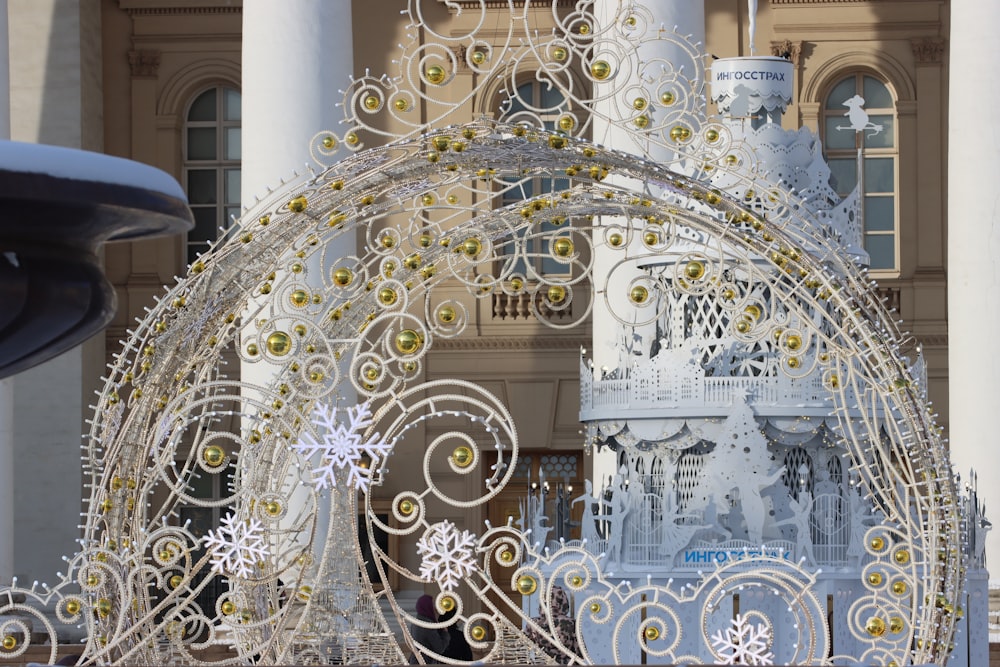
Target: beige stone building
159 81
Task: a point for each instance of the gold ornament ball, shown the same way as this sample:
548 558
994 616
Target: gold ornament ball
446 314
694 269
462 456
559 54
472 246
902 556
556 141
409 366
478 57
401 104
299 298
371 103
507 556
877 544
638 294
372 373
298 204
667 98
557 294
576 581
794 342
441 143
516 284
651 633
388 241
446 604
711 136
9 643
875 579
679 133
279 343
744 325
435 74
477 632
406 507
104 606
272 508
595 607
584 28
329 142
566 123
176 580
343 277
408 341
642 122
616 239
794 362
875 626
428 199
562 247
72 607
601 70
526 584
413 261
387 296
228 607
639 103
214 456
896 625
899 587
650 238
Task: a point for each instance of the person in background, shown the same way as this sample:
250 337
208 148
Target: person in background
458 648
432 639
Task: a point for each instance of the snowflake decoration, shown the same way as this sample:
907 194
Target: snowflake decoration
744 643
341 446
446 554
237 547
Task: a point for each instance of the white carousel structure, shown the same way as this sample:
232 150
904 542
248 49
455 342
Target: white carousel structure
779 491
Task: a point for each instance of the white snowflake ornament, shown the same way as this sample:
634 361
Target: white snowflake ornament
447 554
237 546
744 643
342 446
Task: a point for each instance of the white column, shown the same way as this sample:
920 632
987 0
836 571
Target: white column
974 255
6 397
688 17
289 95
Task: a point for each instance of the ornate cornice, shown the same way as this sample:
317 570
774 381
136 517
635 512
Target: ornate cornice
144 63
928 49
786 48
506 343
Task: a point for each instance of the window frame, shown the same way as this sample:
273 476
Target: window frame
828 113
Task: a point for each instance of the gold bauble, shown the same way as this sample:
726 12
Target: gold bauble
458 146
557 294
576 581
299 298
557 141
516 284
9 642
462 456
300 330
667 98
526 584
794 362
387 296
875 579
446 603
793 342
435 74
896 625
477 632
639 103
72 606
694 269
265 288
176 581
298 204
651 633
566 123
559 54
753 311
472 246
638 294
413 261
877 543
408 341
601 70
371 103
279 343
104 606
198 267
679 133
744 325
401 104
478 57
446 314
406 507
615 239
428 199
388 241
562 247
875 626
316 377
272 508
343 277
214 456
93 580
228 607
507 556
595 607
711 136
902 556
642 122
329 142
650 238
584 28
899 587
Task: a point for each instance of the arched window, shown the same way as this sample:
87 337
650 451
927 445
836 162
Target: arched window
536 103
212 164
874 151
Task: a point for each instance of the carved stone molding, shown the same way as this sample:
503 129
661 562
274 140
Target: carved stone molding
144 64
928 49
787 49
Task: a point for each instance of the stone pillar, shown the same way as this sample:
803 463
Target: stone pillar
973 252
608 334
55 87
289 95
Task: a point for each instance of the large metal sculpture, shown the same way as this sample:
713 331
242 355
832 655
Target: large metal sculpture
448 219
